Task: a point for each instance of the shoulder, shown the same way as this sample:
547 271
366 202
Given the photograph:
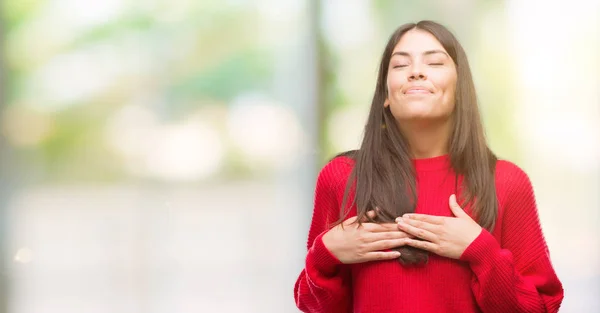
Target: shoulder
507 170
511 179
338 168
335 173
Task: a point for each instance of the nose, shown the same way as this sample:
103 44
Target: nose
416 73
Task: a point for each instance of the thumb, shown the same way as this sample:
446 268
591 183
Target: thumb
456 209
370 215
350 220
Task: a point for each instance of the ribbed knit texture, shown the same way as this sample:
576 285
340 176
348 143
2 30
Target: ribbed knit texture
505 271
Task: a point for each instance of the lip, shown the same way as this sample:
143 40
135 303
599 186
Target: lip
417 90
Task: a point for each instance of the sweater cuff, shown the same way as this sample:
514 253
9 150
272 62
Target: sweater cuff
482 250
321 259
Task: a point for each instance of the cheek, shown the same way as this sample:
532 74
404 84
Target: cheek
450 93
442 80
447 85
394 83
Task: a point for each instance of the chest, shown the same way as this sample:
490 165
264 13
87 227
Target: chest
434 191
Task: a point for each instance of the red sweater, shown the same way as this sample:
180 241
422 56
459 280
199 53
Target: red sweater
505 271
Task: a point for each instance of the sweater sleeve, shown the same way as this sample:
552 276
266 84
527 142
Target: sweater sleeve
516 276
324 283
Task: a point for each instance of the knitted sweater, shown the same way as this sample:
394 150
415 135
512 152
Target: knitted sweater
506 270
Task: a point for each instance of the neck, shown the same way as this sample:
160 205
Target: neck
427 141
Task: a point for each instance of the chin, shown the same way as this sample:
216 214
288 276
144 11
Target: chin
419 112
420 117
417 118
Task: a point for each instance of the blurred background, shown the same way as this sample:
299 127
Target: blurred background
160 156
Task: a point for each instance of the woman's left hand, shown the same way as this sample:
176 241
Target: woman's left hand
445 236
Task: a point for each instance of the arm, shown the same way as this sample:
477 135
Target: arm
517 276
324 283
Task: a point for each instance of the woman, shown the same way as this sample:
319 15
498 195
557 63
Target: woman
424 189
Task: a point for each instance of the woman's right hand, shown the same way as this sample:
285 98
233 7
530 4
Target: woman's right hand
358 243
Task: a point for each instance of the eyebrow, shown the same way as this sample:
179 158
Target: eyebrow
428 52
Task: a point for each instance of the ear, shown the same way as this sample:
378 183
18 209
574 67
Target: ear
386 103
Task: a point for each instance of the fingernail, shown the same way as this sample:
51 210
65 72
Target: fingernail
398 219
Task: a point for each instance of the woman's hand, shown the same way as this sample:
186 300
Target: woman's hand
445 236
354 243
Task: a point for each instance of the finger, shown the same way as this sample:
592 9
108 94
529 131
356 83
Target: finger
369 216
434 228
456 209
386 244
418 232
381 255
433 219
390 235
421 244
372 214
377 228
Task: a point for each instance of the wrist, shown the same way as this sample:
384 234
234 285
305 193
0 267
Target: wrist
326 241
321 257
481 249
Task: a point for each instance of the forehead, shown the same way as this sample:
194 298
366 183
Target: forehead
416 41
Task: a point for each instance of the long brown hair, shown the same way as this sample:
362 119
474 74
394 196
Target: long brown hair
384 176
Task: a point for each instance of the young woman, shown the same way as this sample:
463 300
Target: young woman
423 217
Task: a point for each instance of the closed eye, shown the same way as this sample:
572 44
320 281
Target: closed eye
400 66
437 64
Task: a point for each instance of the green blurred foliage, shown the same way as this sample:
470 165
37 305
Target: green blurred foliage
210 55
246 71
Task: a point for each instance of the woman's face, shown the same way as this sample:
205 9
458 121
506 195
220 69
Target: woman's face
421 79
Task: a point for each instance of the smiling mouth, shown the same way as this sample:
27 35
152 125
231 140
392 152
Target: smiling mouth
417 91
